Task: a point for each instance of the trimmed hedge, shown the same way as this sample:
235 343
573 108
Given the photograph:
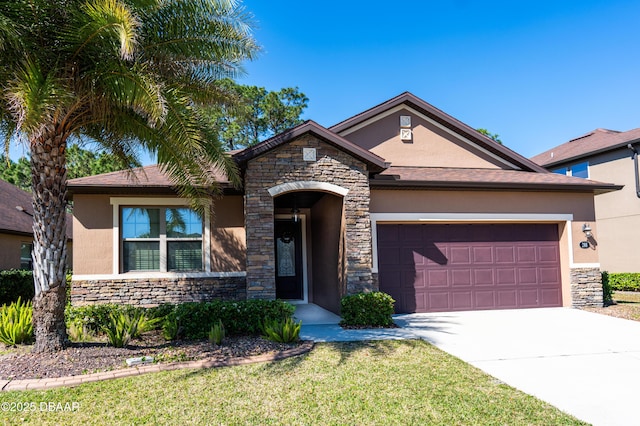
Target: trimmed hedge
194 319
373 309
14 284
623 281
239 318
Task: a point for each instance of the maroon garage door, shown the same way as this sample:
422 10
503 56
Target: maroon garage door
435 268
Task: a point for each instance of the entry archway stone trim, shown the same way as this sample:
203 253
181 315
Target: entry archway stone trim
308 185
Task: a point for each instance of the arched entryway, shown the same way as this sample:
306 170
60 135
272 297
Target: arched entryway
309 247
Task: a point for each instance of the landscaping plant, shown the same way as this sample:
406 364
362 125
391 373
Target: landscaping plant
373 309
282 331
16 325
216 334
170 327
123 327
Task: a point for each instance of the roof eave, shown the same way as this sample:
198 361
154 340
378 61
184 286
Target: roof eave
408 184
621 145
374 162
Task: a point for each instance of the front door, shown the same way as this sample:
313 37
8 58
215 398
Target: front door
288 247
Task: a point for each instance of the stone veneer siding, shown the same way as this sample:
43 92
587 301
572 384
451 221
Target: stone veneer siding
155 291
586 287
284 165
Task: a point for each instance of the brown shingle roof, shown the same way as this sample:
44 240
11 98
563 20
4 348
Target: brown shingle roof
437 177
14 221
151 178
594 142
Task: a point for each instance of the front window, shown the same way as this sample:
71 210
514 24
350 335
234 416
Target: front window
161 239
25 256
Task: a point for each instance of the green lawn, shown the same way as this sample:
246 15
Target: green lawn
385 383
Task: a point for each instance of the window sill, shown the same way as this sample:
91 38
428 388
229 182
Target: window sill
147 275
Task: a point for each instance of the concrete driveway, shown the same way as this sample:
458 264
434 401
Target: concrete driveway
586 364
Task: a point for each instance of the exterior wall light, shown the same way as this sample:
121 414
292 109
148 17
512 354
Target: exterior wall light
587 230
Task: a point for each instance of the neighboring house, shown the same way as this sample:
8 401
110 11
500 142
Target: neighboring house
402 197
16 228
611 156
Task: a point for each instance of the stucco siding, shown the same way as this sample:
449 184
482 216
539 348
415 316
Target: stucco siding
228 236
430 146
618 212
10 250
93 234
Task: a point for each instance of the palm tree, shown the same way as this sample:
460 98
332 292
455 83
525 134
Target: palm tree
127 74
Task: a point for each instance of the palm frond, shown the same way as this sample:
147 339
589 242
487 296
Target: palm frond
107 25
33 97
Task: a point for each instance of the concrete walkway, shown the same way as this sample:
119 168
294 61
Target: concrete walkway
585 364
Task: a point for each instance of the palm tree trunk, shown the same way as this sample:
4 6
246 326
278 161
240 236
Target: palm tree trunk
49 185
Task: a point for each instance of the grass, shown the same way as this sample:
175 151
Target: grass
385 383
626 297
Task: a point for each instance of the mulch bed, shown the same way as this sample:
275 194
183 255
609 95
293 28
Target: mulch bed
93 357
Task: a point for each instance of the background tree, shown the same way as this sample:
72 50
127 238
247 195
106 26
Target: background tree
80 163
255 113
493 136
16 173
128 74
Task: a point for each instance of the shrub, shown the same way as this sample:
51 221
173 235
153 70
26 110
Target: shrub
282 331
216 333
170 327
16 324
607 291
14 284
122 327
79 332
624 281
239 318
373 309
96 317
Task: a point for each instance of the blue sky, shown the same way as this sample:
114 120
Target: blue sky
537 73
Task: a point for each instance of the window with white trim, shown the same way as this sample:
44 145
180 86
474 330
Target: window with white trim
161 239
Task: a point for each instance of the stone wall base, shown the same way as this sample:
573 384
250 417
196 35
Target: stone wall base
586 287
156 291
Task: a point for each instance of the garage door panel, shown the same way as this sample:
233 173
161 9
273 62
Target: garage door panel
461 300
528 298
507 299
461 277
548 254
506 276
527 276
549 275
505 254
437 278
526 254
550 297
438 301
437 267
460 256
483 277
414 279
388 256
482 254
485 299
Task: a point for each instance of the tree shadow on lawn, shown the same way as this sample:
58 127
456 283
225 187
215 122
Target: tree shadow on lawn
345 351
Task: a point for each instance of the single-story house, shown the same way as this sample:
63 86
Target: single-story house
612 156
401 197
16 228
